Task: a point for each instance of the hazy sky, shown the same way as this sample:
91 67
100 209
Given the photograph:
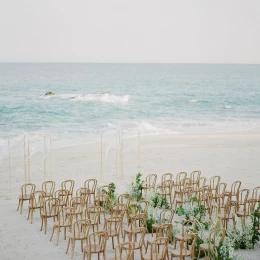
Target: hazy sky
206 31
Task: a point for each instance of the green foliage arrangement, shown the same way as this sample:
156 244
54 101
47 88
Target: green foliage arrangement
192 209
136 187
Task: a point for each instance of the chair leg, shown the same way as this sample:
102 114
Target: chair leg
113 242
21 210
32 212
29 211
68 246
45 225
42 224
52 233
73 241
58 235
18 204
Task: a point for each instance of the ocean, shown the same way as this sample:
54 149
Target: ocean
145 99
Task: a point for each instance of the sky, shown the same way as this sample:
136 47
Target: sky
163 31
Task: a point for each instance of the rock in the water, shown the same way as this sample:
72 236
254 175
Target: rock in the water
49 93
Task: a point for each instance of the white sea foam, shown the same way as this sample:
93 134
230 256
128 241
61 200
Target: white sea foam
193 100
227 107
101 97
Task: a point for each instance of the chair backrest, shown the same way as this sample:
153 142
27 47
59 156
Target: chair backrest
179 177
167 186
97 240
243 196
142 206
188 225
230 209
204 193
150 180
84 193
62 196
187 193
164 230
256 193
166 216
133 235
77 203
184 245
249 206
27 190
65 215
235 187
217 237
124 199
202 181
102 200
48 187
221 189
37 198
50 206
93 213
186 182
91 185
195 177
124 251
158 248
113 225
166 177
118 210
68 185
214 182
82 227
138 220
103 190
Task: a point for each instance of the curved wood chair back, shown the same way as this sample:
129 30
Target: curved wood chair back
124 251
63 197
48 187
37 199
96 244
84 193
158 249
166 177
26 191
256 193
68 185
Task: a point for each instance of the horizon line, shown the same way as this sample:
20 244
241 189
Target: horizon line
83 62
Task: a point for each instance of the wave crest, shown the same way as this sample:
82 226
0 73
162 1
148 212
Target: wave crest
106 97
101 97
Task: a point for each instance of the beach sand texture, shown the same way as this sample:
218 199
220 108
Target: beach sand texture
232 156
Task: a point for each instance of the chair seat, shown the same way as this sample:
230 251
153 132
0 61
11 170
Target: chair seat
49 214
25 197
154 256
35 205
242 213
178 252
62 224
180 237
206 246
111 233
154 226
93 248
136 246
150 241
78 236
127 229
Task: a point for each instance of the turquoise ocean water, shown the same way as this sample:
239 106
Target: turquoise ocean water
137 98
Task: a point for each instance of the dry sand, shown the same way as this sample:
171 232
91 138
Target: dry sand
232 156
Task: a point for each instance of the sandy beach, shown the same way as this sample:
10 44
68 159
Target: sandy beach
232 156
